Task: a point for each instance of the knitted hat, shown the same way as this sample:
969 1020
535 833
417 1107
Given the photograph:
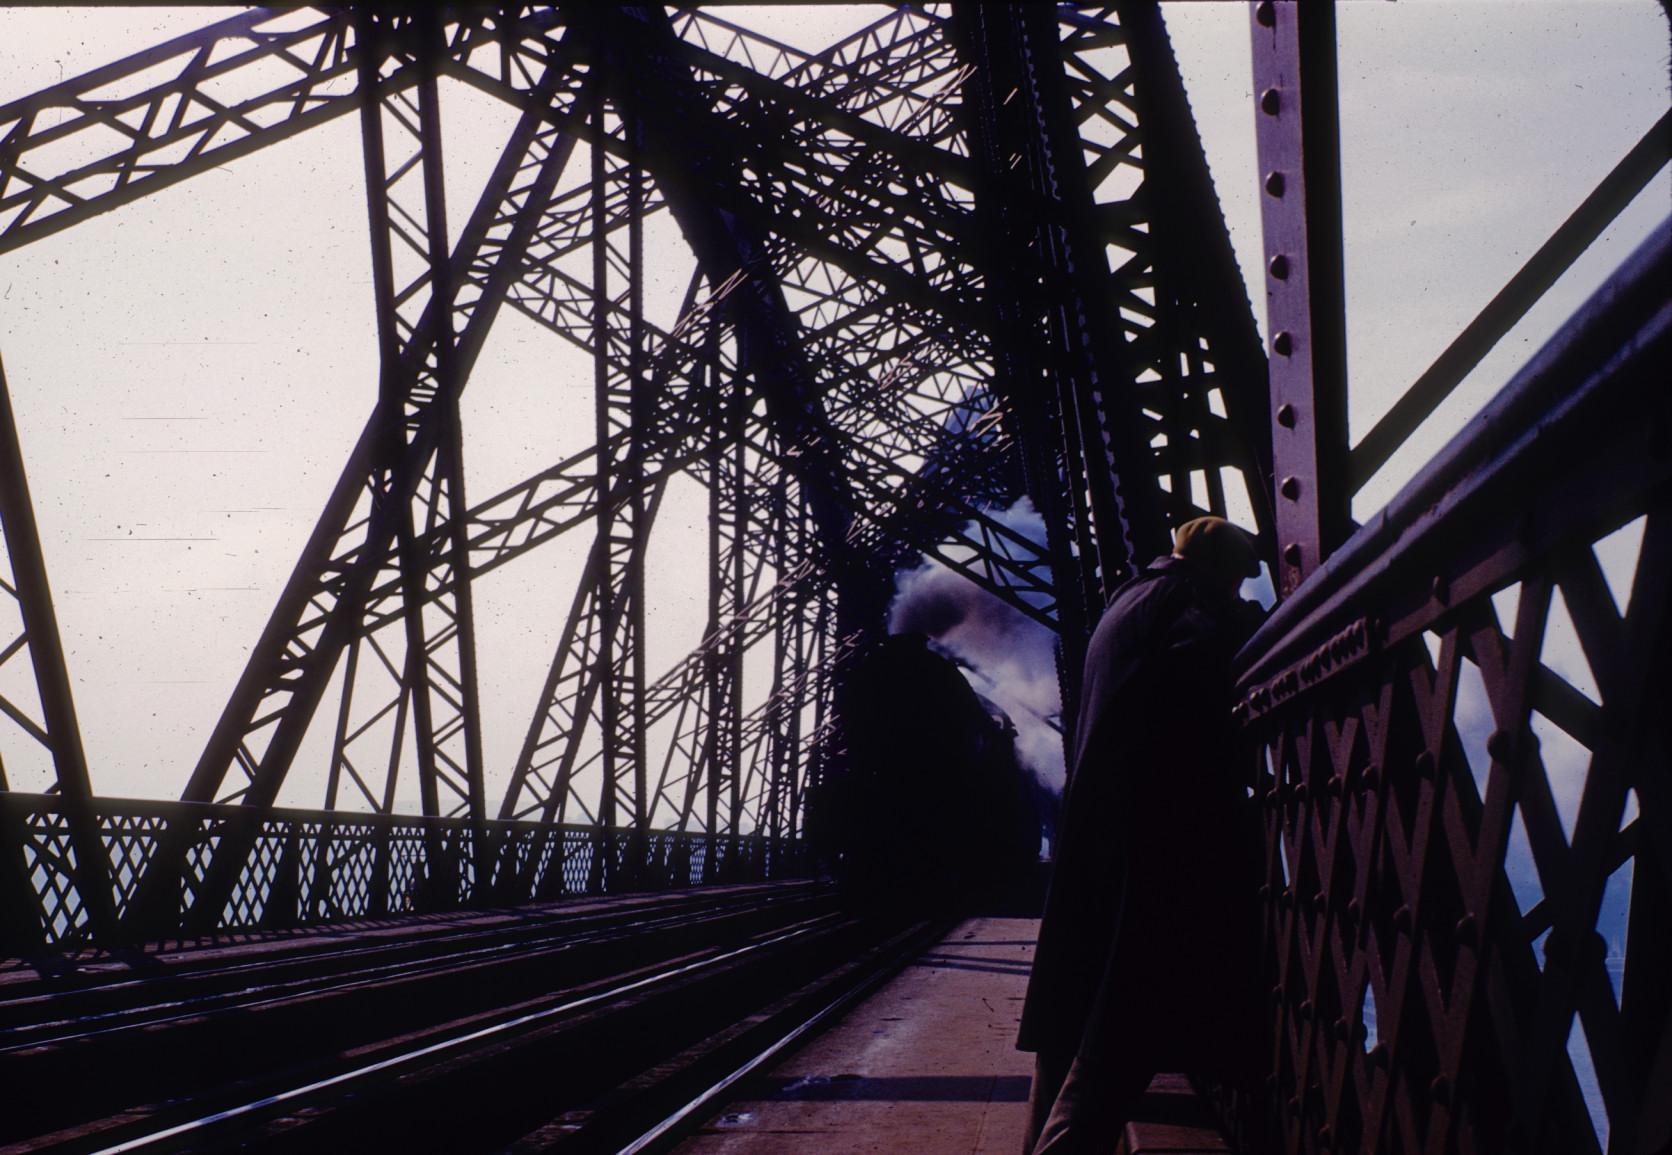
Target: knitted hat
1217 546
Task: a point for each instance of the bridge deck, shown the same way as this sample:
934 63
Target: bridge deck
926 1064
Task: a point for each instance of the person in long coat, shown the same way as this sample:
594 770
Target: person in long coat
1147 957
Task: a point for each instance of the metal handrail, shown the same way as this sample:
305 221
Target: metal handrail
1576 379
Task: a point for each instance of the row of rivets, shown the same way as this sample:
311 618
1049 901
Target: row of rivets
1271 103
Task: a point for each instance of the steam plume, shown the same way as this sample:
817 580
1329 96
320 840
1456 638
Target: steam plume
1012 657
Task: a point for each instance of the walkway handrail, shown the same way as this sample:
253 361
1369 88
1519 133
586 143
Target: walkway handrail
1582 377
314 866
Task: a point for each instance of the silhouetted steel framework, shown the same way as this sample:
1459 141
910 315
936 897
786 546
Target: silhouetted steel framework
969 253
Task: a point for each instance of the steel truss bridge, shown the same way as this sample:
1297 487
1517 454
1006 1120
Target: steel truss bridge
967 254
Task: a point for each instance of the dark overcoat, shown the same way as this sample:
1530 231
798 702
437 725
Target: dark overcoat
1148 944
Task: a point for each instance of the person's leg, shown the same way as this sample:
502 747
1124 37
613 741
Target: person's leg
1092 1106
1049 1068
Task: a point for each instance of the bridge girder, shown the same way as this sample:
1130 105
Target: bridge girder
969 254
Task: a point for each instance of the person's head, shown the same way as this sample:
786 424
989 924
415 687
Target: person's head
1221 554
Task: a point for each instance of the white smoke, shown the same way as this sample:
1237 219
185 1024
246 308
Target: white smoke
1012 657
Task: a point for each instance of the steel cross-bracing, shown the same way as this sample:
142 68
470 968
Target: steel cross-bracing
965 260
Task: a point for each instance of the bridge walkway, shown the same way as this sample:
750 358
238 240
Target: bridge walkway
927 1065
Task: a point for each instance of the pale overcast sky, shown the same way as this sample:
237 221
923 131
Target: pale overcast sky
190 371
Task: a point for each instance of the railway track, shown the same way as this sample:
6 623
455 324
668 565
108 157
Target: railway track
595 1027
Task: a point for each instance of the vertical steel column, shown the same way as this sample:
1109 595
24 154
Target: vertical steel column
638 402
786 662
619 417
460 693
729 512
52 684
715 683
797 673
415 679
609 704
389 340
821 654
1298 136
439 674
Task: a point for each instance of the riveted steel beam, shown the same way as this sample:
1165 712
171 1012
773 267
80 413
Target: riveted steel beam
1298 135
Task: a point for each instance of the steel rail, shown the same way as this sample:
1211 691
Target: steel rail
149 1016
367 1071
532 920
672 1124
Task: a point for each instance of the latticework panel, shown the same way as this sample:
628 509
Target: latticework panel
1464 779
352 854
131 839
49 865
311 866
253 894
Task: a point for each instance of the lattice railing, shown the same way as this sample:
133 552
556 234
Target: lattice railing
318 866
1463 764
